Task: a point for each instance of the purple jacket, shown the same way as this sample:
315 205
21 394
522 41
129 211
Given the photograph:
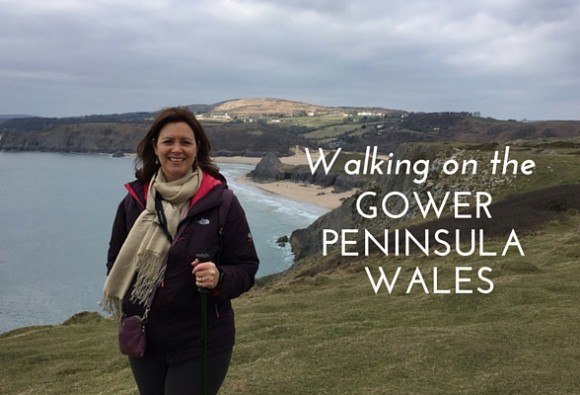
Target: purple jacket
173 329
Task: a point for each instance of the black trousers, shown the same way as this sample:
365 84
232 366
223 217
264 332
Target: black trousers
155 376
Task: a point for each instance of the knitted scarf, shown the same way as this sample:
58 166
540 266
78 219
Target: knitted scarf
146 245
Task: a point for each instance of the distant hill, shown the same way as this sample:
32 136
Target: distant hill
255 126
12 116
267 106
7 117
256 107
389 133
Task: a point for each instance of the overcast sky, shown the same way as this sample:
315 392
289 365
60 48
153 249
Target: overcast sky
504 58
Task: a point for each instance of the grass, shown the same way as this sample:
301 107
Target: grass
333 131
314 122
550 170
557 168
328 333
327 128
336 336
65 359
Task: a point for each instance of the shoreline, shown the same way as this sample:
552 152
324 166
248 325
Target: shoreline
236 160
294 160
313 194
310 193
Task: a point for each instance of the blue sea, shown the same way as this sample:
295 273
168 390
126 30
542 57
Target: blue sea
56 213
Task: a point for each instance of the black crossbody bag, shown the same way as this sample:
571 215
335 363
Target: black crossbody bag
132 335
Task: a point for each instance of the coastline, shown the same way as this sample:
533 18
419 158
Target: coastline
298 158
237 160
314 194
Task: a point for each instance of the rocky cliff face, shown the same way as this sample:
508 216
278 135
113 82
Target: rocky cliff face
105 134
108 138
308 241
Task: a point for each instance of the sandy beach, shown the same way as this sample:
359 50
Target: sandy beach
299 158
237 160
323 197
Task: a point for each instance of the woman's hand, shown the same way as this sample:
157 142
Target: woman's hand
206 274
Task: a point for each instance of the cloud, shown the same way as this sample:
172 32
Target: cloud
503 58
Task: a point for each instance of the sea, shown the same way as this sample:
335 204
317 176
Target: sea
56 214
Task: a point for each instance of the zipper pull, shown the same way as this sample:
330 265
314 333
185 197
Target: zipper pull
217 313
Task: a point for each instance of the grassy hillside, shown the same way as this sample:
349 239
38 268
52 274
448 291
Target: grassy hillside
329 333
268 106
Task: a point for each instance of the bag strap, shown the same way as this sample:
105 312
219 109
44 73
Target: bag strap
163 223
161 216
148 306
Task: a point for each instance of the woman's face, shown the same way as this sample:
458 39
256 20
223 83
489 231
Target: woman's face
176 149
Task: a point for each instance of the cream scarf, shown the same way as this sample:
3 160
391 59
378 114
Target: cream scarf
146 244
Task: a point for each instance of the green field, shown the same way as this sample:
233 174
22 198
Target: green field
330 133
556 162
314 122
327 128
329 333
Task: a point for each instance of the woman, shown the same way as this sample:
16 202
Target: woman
147 260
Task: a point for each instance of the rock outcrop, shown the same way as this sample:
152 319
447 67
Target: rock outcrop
268 169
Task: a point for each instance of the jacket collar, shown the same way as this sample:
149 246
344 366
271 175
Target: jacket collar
139 190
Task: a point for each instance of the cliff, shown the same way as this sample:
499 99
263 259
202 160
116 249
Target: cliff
102 135
97 137
306 242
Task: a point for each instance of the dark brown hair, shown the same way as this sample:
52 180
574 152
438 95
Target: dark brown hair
145 164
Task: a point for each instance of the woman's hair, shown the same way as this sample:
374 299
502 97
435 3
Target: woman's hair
146 163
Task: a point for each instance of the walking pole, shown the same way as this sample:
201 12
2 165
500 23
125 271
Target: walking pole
203 257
